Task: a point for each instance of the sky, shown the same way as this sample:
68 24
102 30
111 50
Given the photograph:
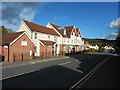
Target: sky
95 19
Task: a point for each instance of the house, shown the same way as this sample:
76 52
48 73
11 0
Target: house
16 46
38 33
86 45
70 38
94 46
108 48
52 39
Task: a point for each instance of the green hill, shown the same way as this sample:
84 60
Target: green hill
98 41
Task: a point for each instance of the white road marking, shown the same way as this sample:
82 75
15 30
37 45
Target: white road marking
19 74
64 63
78 70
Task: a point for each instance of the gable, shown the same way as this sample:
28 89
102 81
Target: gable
24 27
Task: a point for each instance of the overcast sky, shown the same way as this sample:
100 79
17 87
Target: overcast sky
96 20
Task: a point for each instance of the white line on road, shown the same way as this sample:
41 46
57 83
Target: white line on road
64 63
19 74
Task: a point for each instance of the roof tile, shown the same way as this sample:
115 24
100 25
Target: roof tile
40 28
8 38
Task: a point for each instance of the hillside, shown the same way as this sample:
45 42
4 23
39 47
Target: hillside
96 41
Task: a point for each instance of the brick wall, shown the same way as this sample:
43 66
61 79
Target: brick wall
45 51
16 50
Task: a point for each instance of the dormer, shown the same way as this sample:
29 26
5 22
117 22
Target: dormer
63 30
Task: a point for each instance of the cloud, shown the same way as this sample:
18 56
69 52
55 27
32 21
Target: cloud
111 36
27 13
59 18
14 12
115 24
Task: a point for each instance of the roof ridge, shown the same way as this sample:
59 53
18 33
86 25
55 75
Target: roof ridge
69 26
36 24
55 24
13 33
40 28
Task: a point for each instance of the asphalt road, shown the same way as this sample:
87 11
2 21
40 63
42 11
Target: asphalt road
62 73
105 77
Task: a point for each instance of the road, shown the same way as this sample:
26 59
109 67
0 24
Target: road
62 73
105 77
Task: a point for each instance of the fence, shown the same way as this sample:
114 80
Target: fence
22 56
46 54
26 56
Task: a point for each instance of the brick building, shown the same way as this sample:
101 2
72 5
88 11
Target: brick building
64 39
16 46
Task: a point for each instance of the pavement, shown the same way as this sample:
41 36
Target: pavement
59 73
6 64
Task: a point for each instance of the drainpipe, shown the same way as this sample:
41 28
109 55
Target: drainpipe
31 34
8 52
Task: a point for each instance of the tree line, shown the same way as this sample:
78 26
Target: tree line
4 30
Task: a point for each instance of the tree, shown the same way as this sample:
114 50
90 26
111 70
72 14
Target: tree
4 30
117 44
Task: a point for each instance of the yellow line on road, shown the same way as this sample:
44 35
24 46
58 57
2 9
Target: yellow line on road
33 62
95 69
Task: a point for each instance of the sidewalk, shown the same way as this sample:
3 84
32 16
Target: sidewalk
6 64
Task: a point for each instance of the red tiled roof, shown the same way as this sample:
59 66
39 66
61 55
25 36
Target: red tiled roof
40 28
69 29
78 31
56 27
47 42
8 38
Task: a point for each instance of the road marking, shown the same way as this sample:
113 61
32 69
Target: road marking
64 63
95 70
80 80
78 70
89 74
19 74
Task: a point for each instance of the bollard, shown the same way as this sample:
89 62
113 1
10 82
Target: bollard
22 56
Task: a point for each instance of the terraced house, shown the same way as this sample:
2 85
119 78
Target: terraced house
52 39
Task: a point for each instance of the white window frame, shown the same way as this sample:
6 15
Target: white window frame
55 38
24 43
35 49
49 36
35 35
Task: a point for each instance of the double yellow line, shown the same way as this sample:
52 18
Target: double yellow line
33 62
89 74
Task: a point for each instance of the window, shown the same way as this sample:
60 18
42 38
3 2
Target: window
24 43
81 47
35 35
73 33
74 40
55 38
64 40
35 49
49 36
68 40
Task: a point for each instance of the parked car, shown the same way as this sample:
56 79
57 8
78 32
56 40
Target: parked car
113 51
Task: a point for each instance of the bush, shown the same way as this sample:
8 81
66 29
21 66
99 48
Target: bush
92 50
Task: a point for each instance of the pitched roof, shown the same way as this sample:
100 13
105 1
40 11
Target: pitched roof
69 29
78 31
56 27
8 38
47 42
40 28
